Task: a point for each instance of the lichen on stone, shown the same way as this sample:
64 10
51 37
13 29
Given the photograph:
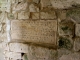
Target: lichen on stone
64 43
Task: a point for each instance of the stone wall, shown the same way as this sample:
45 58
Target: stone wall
40 29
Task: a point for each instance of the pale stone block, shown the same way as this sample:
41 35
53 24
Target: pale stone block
77 29
6 7
12 16
4 46
39 31
33 8
13 1
47 14
23 15
17 7
40 53
73 56
13 55
64 4
36 1
18 47
77 44
3 1
46 3
35 15
66 27
63 51
74 15
62 15
2 56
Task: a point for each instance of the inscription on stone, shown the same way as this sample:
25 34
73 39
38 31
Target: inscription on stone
39 31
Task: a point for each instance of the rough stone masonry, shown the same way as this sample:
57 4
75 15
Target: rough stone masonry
39 29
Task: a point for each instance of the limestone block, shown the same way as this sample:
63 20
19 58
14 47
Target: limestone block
2 54
3 1
36 1
4 46
77 44
64 4
33 8
14 1
63 51
46 3
73 56
49 14
35 15
39 31
65 42
66 27
23 15
5 7
61 15
18 47
12 16
40 53
74 15
17 7
13 55
77 29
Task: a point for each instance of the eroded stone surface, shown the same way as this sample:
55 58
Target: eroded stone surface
40 53
66 27
39 31
23 15
18 47
77 44
73 56
35 15
64 4
65 42
63 51
74 15
13 55
77 29
48 14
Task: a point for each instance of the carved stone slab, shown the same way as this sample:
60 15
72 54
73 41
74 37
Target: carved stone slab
38 31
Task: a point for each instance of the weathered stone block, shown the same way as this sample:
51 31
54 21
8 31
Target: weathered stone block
73 56
77 44
40 53
21 6
74 15
33 8
61 15
35 15
5 7
4 46
39 31
64 4
18 47
65 42
62 52
13 55
46 3
23 15
66 27
12 16
77 29
47 14
36 1
3 1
